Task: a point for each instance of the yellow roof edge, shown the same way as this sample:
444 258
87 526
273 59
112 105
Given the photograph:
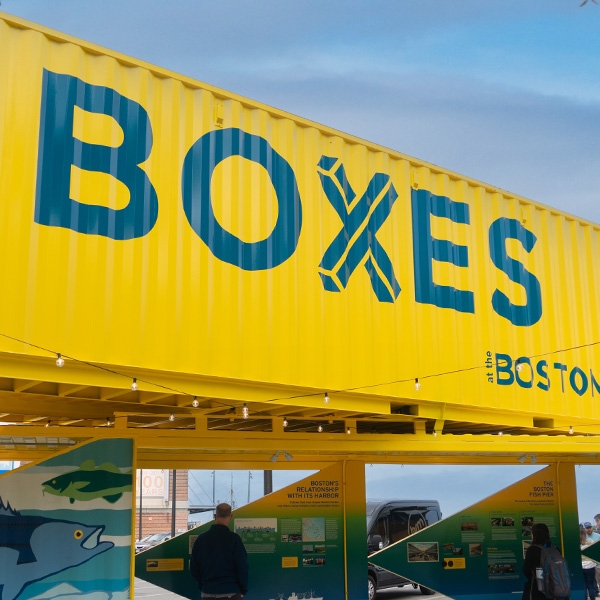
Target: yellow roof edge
166 73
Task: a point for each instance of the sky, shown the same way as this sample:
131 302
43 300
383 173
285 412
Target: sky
455 487
503 91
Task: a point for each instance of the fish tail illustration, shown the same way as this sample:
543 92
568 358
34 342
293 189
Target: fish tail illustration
113 499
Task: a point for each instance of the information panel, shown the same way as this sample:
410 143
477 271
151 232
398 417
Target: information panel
479 552
296 536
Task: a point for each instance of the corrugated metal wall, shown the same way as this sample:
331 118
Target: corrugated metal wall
149 220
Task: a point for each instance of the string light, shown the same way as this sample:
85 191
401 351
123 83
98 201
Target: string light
320 428
172 417
434 433
245 411
417 384
47 424
500 434
285 422
134 386
350 389
108 421
348 431
326 397
195 402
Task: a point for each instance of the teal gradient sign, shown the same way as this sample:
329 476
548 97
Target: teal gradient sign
306 541
478 553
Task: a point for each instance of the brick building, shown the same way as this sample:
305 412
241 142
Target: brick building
156 503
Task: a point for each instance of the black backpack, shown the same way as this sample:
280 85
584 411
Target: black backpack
556 579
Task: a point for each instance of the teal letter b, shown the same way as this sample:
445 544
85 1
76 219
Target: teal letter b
58 150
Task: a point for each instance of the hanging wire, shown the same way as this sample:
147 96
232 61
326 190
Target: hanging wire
325 395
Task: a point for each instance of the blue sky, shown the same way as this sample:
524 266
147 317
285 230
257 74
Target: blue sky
455 487
504 91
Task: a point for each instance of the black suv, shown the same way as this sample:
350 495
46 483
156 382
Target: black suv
389 521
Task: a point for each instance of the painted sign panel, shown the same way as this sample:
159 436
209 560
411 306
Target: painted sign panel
147 203
479 552
153 483
65 525
297 535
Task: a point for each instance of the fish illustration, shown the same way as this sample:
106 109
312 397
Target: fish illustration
35 547
90 482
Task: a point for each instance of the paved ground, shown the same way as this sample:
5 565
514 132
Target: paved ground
406 592
147 591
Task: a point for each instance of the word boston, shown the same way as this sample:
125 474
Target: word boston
541 373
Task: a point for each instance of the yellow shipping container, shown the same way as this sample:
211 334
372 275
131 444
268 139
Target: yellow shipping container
154 221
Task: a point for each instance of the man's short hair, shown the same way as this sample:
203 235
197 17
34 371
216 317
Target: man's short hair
223 511
597 517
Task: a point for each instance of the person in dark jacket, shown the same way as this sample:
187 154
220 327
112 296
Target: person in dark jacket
219 562
541 537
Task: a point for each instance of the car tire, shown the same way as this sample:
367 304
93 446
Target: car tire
426 591
372 588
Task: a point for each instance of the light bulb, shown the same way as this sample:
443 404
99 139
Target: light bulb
285 422
172 417
571 430
417 384
320 428
245 411
195 402
108 421
60 361
47 424
519 365
434 433
348 431
326 398
134 385
500 434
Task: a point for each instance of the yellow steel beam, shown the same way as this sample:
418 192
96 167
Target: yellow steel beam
148 397
66 389
173 446
21 385
116 380
113 388
449 412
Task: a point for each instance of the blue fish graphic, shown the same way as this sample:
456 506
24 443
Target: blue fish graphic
34 547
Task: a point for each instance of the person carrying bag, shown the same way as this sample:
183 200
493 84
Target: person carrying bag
546 571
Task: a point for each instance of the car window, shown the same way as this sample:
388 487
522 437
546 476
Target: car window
418 521
432 516
398 525
381 528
